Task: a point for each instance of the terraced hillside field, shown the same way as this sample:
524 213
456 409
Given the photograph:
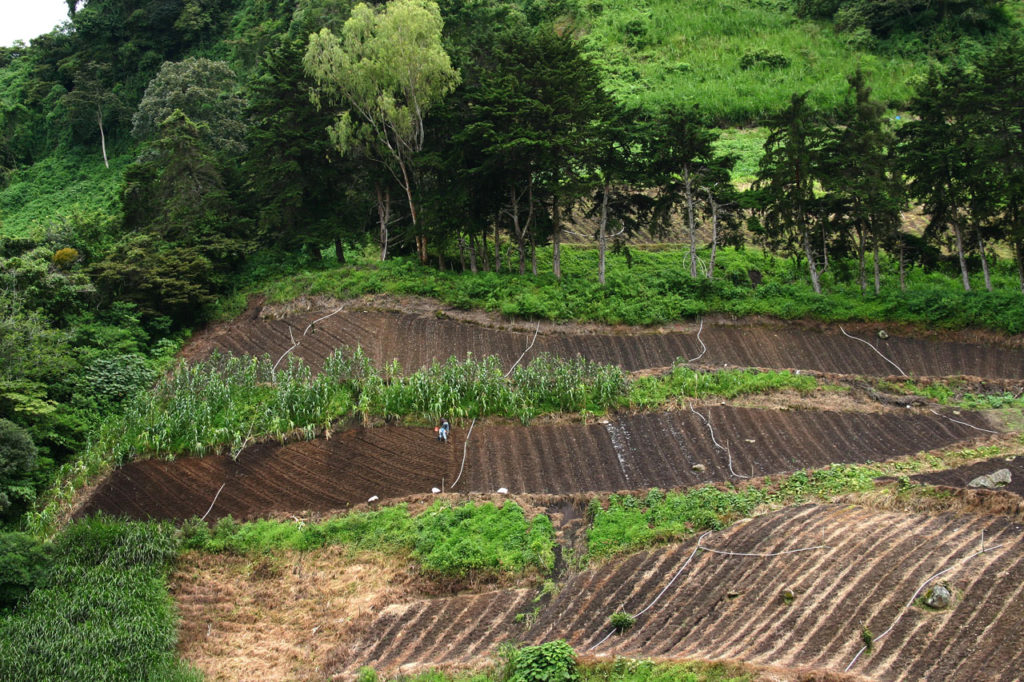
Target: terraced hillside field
750 593
624 453
865 569
416 338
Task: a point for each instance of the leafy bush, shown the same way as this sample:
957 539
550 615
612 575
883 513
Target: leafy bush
549 662
24 560
65 258
765 58
622 621
17 461
485 539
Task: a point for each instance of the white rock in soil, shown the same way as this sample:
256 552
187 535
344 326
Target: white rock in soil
938 597
503 491
435 490
373 499
994 480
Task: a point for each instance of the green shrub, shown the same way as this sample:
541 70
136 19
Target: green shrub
622 621
17 462
549 662
483 539
24 561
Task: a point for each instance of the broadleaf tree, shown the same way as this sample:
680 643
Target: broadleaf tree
381 77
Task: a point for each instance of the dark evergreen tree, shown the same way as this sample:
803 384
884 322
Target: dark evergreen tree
859 174
793 217
935 154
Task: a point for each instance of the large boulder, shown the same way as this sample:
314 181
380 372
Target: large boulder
938 597
996 479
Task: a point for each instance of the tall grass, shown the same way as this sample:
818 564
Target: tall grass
102 612
684 382
661 52
227 401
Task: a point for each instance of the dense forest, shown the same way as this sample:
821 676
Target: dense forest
157 155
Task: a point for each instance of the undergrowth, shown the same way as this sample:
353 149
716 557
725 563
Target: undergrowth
446 540
630 523
954 393
100 611
654 287
684 382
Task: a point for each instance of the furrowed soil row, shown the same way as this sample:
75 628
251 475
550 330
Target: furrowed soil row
730 606
628 452
417 339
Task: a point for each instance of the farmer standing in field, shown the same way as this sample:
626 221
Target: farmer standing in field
442 432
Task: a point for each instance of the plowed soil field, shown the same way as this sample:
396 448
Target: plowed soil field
731 607
625 453
416 338
961 477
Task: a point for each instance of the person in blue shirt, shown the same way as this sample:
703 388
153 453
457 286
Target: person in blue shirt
442 433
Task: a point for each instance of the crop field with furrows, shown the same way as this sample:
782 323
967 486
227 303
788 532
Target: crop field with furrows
831 501
806 609
415 339
628 452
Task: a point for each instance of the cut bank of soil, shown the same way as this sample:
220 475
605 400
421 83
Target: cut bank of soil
625 453
731 607
415 339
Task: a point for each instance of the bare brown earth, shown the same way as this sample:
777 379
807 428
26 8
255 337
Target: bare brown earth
416 338
663 449
279 617
731 607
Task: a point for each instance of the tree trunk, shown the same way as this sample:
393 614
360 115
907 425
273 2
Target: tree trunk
497 248
421 240
440 260
103 138
984 263
861 248
602 238
472 253
484 253
339 250
903 275
824 249
556 239
811 264
533 253
714 234
384 218
878 276
960 255
690 221
314 252
1020 265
